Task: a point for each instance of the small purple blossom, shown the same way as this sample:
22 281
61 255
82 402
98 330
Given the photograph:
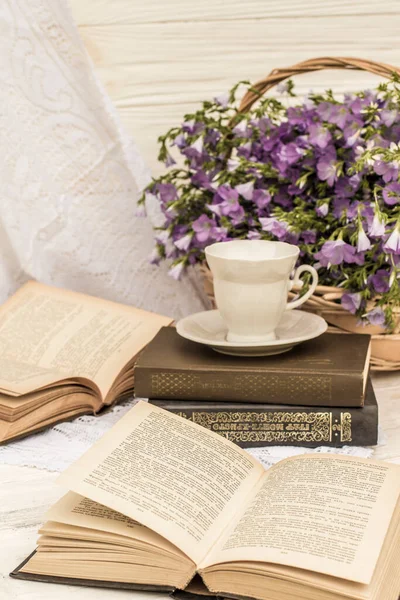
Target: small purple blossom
393 243
376 316
326 170
253 235
203 227
363 242
351 302
388 117
388 171
322 210
222 100
391 193
272 225
319 136
245 189
184 242
176 270
335 253
167 192
261 198
380 281
377 227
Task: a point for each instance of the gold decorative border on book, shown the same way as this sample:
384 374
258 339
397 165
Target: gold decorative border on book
283 427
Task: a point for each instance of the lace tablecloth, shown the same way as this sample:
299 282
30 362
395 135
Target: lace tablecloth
58 447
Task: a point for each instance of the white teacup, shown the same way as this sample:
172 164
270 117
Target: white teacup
251 284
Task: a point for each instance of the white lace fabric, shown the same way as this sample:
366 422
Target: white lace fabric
70 175
58 447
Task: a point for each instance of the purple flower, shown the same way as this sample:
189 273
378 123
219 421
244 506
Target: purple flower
393 243
169 161
245 189
309 236
237 216
377 227
352 132
253 235
192 127
376 316
155 256
380 281
363 242
335 253
180 141
222 100
290 153
176 270
184 242
167 192
272 225
388 117
351 302
203 227
319 136
391 193
233 164
230 200
242 129
201 179
261 198
326 170
388 170
322 210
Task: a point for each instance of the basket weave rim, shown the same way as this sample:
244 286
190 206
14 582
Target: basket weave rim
276 76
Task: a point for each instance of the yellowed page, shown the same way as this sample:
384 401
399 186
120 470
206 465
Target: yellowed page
322 512
173 476
48 334
76 510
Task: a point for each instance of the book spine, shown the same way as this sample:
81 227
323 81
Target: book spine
301 388
284 426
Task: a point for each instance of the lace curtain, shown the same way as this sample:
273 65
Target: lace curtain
69 174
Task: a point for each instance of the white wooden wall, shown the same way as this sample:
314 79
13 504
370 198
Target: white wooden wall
159 58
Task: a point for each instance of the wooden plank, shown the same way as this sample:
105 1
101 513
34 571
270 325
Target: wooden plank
128 12
172 43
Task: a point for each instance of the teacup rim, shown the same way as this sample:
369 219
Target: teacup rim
295 250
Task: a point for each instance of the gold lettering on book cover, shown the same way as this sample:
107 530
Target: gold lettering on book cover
249 426
345 434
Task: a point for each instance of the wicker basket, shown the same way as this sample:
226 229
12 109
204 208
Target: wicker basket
324 302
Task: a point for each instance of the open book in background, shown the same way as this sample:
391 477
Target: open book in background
63 354
159 501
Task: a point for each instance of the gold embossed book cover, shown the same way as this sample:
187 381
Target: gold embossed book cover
331 370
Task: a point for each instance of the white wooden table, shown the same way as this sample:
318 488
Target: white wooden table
25 495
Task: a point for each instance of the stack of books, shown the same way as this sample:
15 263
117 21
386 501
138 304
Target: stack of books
319 394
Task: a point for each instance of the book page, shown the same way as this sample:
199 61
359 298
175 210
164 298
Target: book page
177 478
321 512
78 511
48 334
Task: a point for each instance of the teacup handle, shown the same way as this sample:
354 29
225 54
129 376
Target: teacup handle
297 280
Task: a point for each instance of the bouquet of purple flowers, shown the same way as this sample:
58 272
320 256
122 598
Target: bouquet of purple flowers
320 173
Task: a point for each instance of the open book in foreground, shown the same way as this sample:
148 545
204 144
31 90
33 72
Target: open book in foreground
63 354
159 499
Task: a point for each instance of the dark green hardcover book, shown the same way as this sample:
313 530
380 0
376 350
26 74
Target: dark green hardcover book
251 425
331 370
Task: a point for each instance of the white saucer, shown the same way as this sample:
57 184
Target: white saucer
208 328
